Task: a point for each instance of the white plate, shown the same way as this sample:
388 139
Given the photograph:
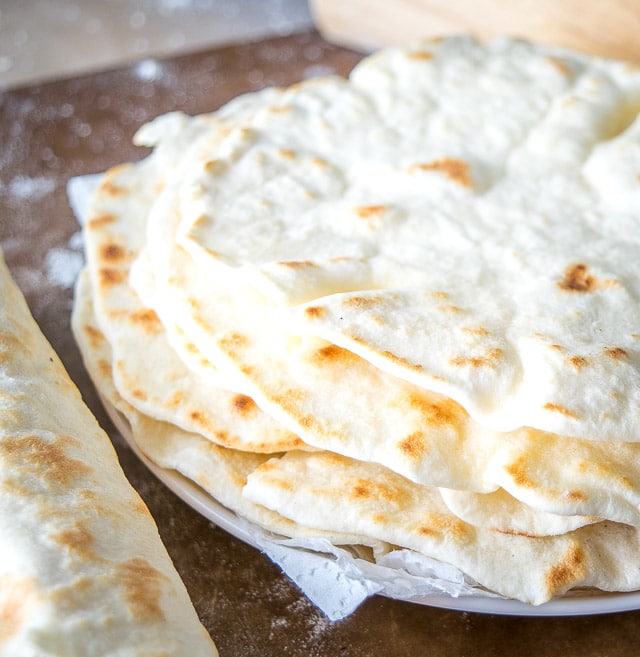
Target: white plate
579 603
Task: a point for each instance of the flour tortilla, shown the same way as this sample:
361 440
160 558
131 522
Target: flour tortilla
333 492
83 569
502 512
486 192
337 401
220 471
147 372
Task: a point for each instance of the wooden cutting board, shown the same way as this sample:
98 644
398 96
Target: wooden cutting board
603 27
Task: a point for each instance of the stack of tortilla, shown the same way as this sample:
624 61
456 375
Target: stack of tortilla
398 310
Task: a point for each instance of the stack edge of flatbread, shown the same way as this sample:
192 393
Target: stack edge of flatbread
398 310
83 571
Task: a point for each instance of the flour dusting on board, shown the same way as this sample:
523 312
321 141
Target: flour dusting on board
33 189
62 266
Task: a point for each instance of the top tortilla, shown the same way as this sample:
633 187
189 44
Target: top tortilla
479 235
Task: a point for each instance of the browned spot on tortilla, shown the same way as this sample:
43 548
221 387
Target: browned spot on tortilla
442 413
279 109
518 472
576 496
45 459
211 166
142 584
190 347
78 540
244 405
475 330
361 302
94 335
414 445
332 353
223 438
436 525
214 254
282 484
9 342
200 220
578 279
559 64
475 362
314 312
399 360
426 530
616 353
319 162
101 220
141 395
369 489
17 598
368 211
449 309
455 170
296 264
268 466
112 189
558 408
569 571
247 370
513 532
308 422
420 55
113 252
288 153
139 507
148 319
109 276
335 460
198 417
176 399
626 482
105 368
556 347
578 362
233 342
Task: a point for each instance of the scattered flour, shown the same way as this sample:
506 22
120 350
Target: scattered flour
62 265
148 70
317 70
32 189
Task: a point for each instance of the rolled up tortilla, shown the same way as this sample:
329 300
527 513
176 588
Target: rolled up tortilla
83 571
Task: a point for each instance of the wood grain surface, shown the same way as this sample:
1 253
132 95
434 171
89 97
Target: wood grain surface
52 132
602 27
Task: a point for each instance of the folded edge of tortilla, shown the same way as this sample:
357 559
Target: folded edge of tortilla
83 570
